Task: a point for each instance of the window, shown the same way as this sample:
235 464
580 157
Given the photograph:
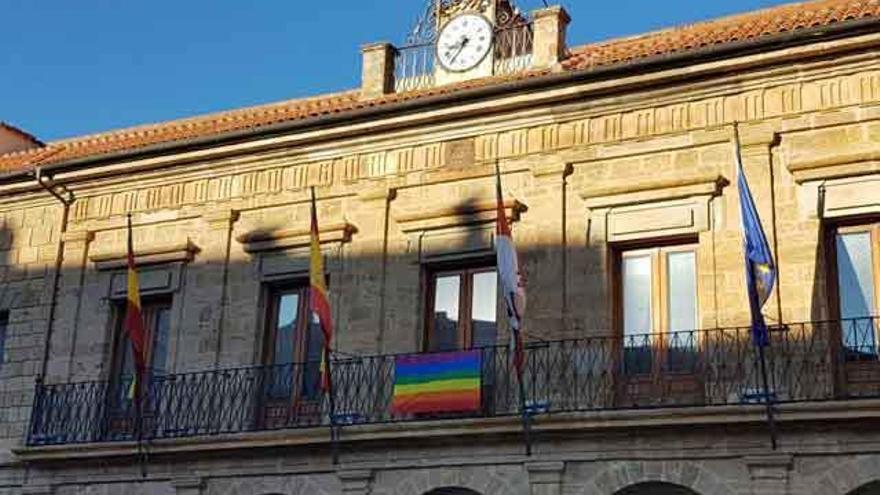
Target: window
857 252
462 308
658 306
4 323
293 343
156 314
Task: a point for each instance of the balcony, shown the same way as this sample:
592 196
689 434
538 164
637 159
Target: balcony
806 362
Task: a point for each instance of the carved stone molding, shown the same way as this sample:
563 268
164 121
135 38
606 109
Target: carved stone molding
145 255
189 485
845 163
381 192
664 190
270 240
451 217
355 481
78 237
545 478
220 219
659 209
837 198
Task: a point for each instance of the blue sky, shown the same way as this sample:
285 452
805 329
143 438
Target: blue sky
69 68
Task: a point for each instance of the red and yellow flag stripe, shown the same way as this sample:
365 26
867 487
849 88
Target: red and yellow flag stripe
319 302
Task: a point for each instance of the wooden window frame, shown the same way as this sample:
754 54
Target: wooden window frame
659 284
870 226
150 306
466 270
274 294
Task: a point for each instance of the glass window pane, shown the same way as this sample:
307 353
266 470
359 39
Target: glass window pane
636 296
160 341
682 290
484 305
855 276
445 335
286 318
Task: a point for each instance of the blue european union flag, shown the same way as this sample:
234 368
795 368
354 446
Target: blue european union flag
760 269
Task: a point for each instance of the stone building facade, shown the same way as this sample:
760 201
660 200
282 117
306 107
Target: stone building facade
608 152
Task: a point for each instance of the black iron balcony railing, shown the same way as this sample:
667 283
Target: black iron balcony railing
815 361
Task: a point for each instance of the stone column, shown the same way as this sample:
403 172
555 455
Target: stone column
769 473
356 481
549 26
377 72
545 478
188 486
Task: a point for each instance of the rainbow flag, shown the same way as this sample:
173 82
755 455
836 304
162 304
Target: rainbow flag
442 382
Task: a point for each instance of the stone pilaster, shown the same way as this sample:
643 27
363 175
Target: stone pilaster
544 244
545 478
769 473
377 72
356 481
756 143
212 266
64 338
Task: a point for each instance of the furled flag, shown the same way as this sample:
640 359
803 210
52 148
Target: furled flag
134 323
760 269
319 303
512 288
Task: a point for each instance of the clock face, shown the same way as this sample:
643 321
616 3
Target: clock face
464 42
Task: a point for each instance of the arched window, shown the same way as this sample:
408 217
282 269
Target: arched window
656 488
451 490
872 488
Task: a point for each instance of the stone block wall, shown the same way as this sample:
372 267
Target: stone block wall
583 180
29 242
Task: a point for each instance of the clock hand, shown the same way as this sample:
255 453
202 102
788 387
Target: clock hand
461 45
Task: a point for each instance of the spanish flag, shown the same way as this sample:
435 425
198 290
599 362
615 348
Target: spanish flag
134 323
319 303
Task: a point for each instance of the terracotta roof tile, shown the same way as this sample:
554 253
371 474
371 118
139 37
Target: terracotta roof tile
775 20
752 25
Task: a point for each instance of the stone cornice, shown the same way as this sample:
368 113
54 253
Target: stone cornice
268 240
585 422
146 255
848 163
635 82
450 216
662 190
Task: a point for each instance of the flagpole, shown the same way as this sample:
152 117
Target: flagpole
756 308
771 421
334 434
334 431
525 416
138 379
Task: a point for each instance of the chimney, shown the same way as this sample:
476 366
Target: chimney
549 25
377 76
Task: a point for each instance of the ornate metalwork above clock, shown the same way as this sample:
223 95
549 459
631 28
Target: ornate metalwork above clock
456 40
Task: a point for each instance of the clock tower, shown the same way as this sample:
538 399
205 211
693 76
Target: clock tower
459 40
